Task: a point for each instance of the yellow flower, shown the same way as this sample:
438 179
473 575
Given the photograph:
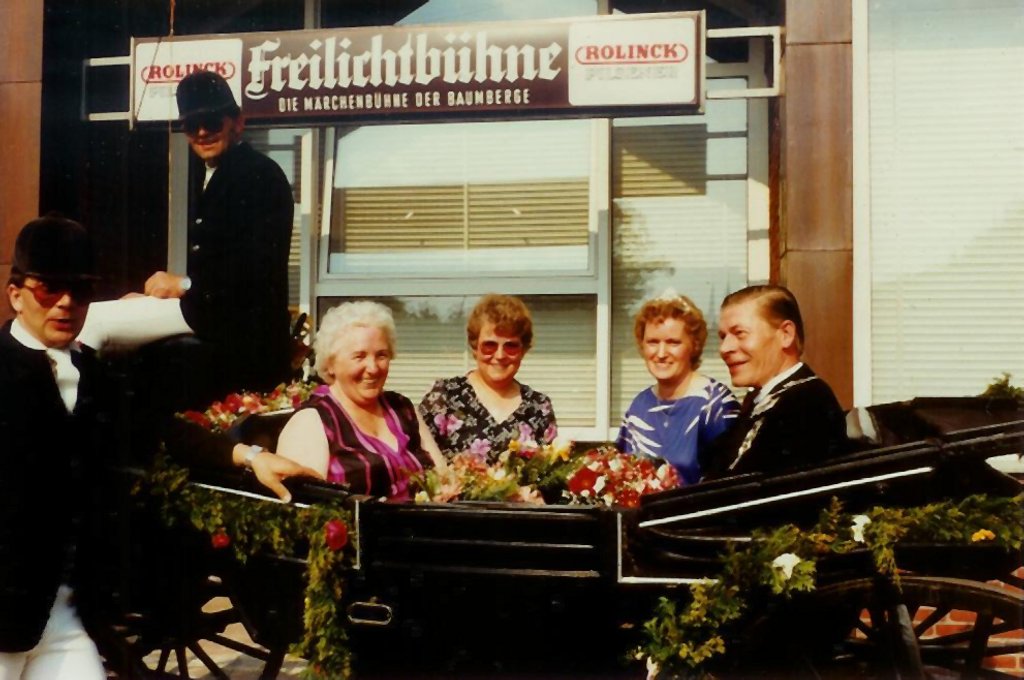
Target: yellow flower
513 445
982 535
422 497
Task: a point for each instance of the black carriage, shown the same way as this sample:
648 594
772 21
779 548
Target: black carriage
483 589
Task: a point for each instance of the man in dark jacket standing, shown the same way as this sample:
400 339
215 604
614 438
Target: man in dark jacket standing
235 296
790 418
48 400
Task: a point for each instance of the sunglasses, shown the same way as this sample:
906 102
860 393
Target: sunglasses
211 122
49 293
513 348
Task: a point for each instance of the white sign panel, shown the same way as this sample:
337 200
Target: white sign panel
160 66
615 63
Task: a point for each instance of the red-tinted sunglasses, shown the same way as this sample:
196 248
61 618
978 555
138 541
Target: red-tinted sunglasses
513 348
49 293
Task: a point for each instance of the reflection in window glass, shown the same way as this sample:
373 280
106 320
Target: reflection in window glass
679 193
462 197
432 345
284 147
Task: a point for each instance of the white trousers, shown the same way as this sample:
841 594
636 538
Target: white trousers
130 323
64 652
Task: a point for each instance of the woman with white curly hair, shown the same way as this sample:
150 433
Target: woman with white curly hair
351 430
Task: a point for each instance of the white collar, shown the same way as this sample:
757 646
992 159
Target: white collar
781 377
22 335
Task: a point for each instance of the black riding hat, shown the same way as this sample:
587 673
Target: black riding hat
54 248
205 92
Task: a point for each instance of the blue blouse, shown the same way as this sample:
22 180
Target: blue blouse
676 429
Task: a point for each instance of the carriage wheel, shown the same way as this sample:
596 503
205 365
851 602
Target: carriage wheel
954 628
138 647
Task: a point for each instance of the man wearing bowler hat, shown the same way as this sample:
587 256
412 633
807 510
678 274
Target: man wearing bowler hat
235 294
48 400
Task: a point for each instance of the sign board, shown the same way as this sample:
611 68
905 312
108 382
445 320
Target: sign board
584 66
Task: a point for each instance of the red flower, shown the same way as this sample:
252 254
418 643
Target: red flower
220 540
336 534
627 497
197 418
233 403
583 480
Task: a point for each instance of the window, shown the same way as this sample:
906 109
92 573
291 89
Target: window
946 92
462 199
679 191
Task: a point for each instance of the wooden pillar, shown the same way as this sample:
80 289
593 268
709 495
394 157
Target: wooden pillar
814 238
21 75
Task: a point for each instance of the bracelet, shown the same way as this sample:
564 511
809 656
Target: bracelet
251 454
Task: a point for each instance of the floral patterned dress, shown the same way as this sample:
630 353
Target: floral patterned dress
459 422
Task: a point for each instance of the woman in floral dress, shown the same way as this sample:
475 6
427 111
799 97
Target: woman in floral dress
486 409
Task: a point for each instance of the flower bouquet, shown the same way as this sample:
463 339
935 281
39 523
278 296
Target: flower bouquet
550 473
221 415
609 477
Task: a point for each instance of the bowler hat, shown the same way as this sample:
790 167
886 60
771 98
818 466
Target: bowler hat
202 92
54 247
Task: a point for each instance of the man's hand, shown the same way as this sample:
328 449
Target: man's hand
164 285
271 470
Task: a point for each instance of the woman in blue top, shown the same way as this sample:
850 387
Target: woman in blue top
683 411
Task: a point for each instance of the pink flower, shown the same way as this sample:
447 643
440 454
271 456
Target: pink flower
480 447
525 432
335 534
447 424
551 433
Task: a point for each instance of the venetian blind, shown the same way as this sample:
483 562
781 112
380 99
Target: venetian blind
461 187
946 120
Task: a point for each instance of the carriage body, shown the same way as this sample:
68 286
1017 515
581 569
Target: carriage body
507 587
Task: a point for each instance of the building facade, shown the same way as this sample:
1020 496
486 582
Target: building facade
880 184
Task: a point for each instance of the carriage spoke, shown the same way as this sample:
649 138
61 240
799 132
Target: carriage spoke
931 620
207 661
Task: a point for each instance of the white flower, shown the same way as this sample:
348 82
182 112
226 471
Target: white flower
599 484
497 474
652 668
859 522
615 465
785 562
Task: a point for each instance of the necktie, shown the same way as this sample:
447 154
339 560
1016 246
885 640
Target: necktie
66 375
747 407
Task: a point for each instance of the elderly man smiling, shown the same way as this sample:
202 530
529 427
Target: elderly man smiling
790 417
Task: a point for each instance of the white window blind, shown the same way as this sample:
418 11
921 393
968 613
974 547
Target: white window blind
680 220
462 197
946 115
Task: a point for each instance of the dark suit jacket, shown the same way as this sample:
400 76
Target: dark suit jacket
797 424
46 457
239 237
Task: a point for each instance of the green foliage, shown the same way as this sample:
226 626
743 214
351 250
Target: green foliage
683 639
249 527
1000 388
